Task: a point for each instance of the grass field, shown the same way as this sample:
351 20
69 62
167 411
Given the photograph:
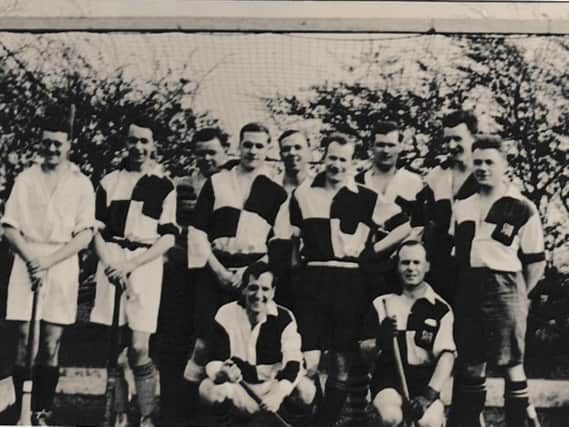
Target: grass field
88 410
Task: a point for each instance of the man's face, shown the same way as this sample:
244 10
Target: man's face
295 153
210 156
338 161
412 265
55 147
259 292
386 148
253 149
458 141
489 167
139 144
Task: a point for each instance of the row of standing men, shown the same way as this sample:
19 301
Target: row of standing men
329 241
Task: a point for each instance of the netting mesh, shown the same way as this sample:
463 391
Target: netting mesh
232 72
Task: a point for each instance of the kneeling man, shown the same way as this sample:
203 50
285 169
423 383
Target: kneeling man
422 323
255 343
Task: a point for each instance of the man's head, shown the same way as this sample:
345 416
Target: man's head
338 157
295 151
459 131
140 143
412 263
55 140
489 161
210 145
254 141
258 287
385 145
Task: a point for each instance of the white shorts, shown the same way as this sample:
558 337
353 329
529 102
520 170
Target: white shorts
58 295
141 300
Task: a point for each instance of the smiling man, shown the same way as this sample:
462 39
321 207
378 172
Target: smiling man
423 324
445 185
136 215
295 153
235 214
500 251
256 341
49 218
331 219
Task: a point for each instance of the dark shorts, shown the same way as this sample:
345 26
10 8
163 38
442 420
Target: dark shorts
491 317
417 377
329 307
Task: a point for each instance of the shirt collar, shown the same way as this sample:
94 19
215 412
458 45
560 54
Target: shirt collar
319 181
272 308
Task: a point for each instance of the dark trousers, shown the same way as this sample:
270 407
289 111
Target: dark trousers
175 339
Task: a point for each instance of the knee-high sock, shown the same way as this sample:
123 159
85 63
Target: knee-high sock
44 384
516 397
454 413
469 402
145 382
333 402
18 376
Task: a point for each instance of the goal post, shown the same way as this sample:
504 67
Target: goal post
285 16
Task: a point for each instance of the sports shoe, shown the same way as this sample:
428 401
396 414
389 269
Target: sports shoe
121 419
146 421
40 418
533 420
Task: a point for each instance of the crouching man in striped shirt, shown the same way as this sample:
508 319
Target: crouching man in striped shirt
422 323
255 345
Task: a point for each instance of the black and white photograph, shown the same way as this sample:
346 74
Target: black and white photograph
284 213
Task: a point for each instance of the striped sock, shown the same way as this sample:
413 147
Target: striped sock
470 401
145 382
516 398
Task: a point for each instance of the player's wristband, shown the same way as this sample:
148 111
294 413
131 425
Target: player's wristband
431 394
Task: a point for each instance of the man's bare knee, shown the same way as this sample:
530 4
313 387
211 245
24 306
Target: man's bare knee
138 352
515 373
312 360
388 404
305 391
475 371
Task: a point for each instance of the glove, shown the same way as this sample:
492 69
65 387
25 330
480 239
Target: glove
386 331
418 405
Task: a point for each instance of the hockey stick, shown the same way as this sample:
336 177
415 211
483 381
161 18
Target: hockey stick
399 365
258 400
113 370
26 409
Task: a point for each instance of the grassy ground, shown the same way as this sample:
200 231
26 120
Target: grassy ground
88 410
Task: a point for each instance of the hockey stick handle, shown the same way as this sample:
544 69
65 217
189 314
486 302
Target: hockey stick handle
399 365
258 400
26 408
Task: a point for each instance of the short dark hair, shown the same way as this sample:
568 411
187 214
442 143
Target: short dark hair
457 117
488 142
254 127
256 270
207 134
338 138
144 122
55 119
410 243
290 132
383 127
